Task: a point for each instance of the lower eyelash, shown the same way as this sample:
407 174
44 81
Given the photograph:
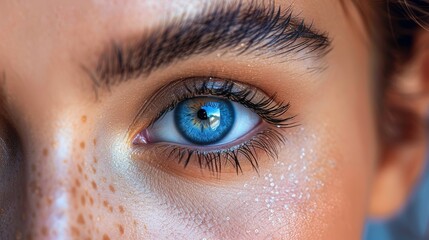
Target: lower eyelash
269 141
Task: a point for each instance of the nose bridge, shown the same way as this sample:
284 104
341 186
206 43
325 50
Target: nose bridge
49 186
47 198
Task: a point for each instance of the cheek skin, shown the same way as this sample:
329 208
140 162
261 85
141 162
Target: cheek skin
290 196
288 193
304 194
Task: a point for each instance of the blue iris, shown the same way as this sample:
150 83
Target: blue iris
204 120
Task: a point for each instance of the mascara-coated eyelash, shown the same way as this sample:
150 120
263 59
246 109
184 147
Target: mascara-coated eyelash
267 141
203 95
263 105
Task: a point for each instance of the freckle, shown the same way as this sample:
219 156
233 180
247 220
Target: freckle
44 231
91 200
85 177
83 200
95 160
121 209
79 168
82 145
45 152
73 191
121 229
34 186
54 144
111 209
83 119
105 237
94 141
105 203
94 170
49 201
80 220
65 161
75 231
77 182
104 179
94 185
112 189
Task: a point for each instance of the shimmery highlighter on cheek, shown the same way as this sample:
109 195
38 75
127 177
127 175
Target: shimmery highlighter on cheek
286 193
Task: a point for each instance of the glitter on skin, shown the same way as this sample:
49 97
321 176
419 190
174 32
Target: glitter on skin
282 196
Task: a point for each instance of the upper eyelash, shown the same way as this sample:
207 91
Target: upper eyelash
266 107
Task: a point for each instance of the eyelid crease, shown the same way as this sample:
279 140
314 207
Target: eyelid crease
264 105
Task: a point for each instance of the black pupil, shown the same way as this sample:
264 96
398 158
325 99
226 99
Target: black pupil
202 114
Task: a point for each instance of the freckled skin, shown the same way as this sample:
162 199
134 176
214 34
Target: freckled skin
62 196
121 229
79 179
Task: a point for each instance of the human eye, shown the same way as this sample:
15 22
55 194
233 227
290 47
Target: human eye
203 121
215 124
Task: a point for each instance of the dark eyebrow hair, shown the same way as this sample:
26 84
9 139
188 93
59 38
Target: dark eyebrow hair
261 29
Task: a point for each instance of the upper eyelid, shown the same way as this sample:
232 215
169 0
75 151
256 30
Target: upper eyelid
183 84
265 104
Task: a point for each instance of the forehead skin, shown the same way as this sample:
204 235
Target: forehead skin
78 180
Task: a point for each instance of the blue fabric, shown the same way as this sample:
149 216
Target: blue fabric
411 224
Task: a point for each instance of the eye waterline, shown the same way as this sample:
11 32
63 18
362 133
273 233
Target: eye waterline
143 138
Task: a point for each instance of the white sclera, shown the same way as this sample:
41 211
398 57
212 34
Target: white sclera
165 130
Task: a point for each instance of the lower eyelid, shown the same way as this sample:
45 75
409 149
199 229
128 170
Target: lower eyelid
247 153
145 139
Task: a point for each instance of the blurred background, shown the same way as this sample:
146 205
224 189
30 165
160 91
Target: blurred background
412 223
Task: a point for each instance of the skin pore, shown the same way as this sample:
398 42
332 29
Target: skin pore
78 175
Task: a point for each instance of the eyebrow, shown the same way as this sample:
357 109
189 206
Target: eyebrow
259 29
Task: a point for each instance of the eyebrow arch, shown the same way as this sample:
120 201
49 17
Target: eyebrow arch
259 29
